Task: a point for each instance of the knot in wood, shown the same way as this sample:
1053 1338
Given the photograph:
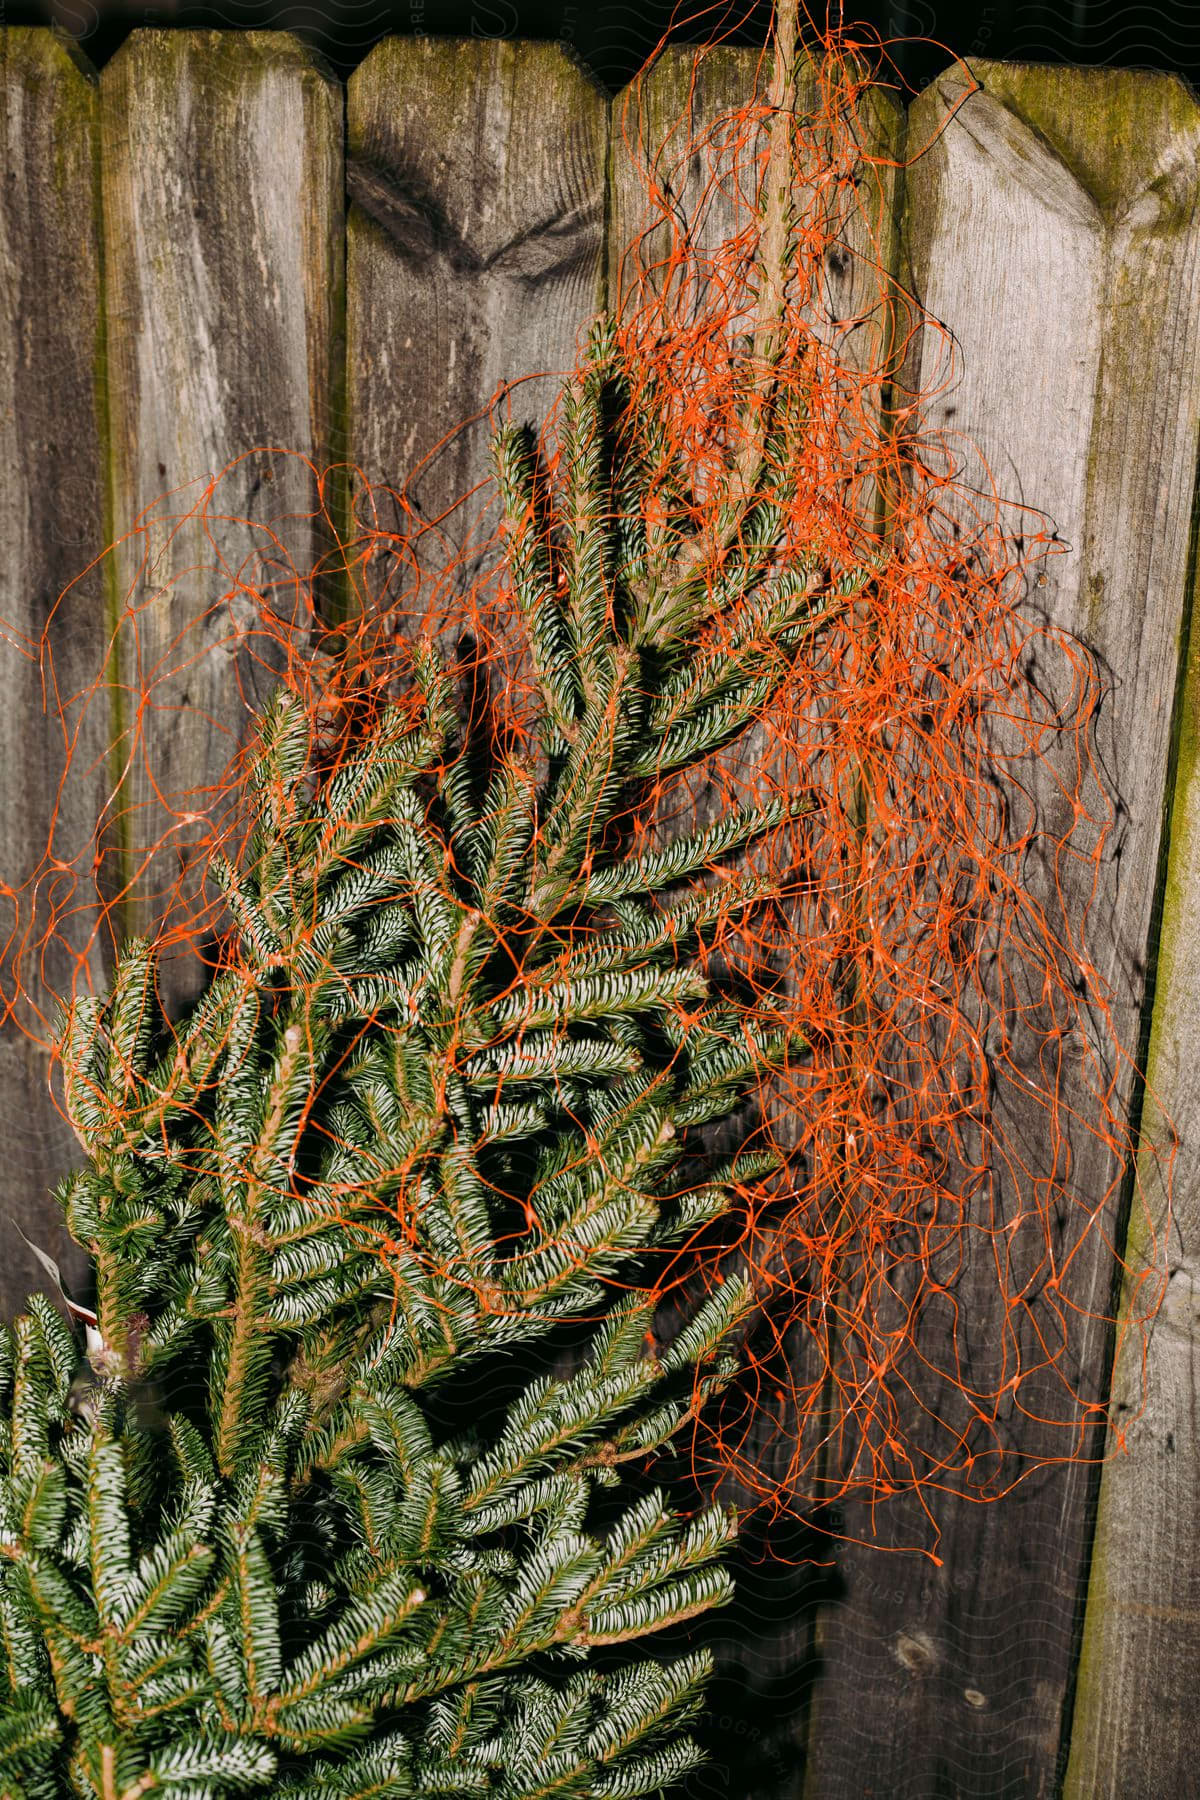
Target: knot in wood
915 1651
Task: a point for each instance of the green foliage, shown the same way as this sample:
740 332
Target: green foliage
420 1118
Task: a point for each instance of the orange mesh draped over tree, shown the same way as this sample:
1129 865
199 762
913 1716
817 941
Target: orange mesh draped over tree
921 1251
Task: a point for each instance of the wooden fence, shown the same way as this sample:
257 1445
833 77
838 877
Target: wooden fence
212 246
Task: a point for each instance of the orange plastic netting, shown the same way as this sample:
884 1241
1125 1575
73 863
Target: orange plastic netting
935 1256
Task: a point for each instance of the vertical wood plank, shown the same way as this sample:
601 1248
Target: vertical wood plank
756 1723
52 525
1055 229
1133 1727
676 102
474 252
223 213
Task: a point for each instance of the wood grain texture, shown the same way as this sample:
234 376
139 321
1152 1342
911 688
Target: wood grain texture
1133 1726
223 208
52 525
475 168
654 122
756 1723
1055 228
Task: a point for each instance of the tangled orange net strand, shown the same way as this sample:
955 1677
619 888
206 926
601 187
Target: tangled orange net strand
926 1253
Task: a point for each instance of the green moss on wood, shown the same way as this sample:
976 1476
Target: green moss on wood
1175 955
1170 997
1108 126
74 120
1172 989
1111 128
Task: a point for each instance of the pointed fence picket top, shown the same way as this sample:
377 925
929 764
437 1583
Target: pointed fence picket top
223 221
475 168
1054 227
52 525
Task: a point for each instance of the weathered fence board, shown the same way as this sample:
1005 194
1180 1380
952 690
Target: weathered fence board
1133 1727
51 526
653 124
223 217
474 256
1054 227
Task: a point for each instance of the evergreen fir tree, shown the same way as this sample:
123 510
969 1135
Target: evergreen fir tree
251 1547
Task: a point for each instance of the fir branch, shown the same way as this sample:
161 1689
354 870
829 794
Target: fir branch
432 1105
